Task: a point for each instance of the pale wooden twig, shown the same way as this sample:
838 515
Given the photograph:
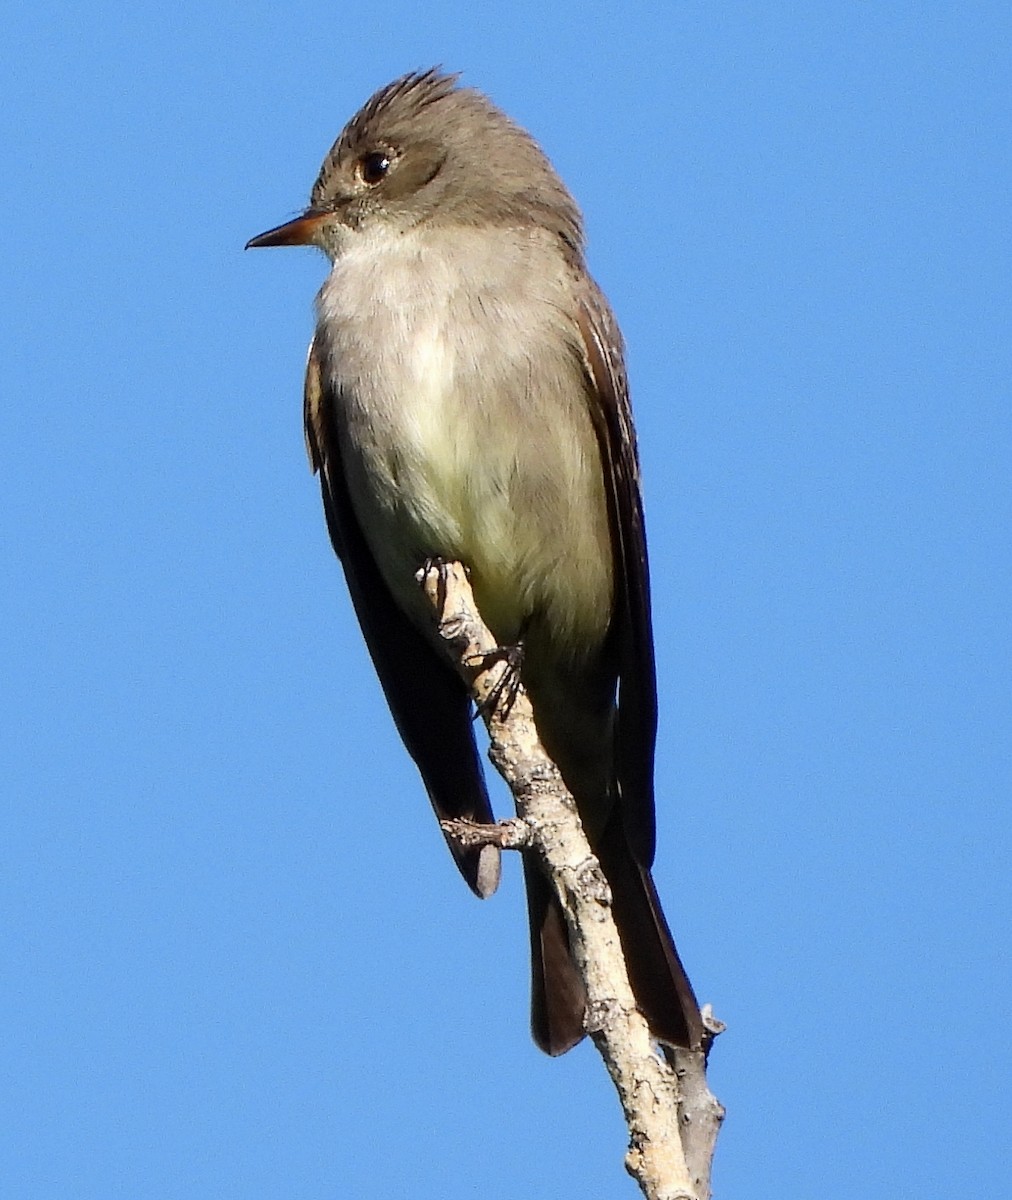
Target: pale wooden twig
671 1115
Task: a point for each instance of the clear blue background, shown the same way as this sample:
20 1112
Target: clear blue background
237 962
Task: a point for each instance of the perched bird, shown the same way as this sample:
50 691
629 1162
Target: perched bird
466 399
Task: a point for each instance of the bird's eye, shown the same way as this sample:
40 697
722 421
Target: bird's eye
372 168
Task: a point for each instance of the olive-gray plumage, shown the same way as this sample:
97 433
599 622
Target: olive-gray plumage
466 399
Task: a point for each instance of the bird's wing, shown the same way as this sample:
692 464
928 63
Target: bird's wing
429 702
636 731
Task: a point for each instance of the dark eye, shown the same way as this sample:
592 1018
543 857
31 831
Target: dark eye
372 168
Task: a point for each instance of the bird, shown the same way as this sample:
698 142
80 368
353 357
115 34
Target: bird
466 399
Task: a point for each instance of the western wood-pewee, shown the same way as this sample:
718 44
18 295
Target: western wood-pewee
466 399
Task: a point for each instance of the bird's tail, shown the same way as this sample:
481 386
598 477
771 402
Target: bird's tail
659 982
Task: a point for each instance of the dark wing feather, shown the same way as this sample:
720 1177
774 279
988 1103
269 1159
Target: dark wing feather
429 702
636 732
626 850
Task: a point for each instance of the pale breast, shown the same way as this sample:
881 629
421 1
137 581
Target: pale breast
464 423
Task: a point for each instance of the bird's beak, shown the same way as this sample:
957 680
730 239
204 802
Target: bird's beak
302 231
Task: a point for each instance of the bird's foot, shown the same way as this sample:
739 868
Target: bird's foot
506 688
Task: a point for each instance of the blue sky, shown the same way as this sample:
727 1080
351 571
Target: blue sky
237 961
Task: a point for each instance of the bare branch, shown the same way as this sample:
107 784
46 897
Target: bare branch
671 1115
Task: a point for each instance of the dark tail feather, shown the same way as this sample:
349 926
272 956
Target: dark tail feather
659 982
558 999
